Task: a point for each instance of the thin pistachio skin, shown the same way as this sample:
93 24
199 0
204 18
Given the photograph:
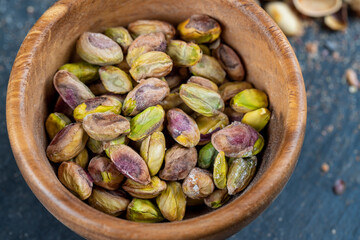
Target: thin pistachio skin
220 171
249 100
198 184
257 119
82 159
207 155
75 179
98 49
95 146
184 54
149 191
55 122
209 68
141 210
121 36
63 107
229 89
203 82
115 80
209 125
84 71
218 198
152 150
241 172
141 27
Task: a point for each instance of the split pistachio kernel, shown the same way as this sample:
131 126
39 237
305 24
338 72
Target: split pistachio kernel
184 54
249 100
84 71
55 122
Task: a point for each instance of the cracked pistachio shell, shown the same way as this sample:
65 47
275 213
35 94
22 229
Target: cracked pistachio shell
129 163
151 64
205 49
104 173
257 119
55 122
98 49
220 170
97 105
230 62
82 159
207 155
233 115
105 126
184 54
67 143
119 140
200 29
152 150
241 172
146 122
218 198
63 107
120 35
115 80
179 161
209 125
230 89
249 100
98 88
198 184
172 202
95 146
141 27
209 68
71 89
151 190
140 210
75 179
84 71
147 93
146 43
110 202
235 140
200 99
172 100
203 82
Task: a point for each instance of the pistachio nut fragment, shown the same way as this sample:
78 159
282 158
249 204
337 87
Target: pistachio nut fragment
146 43
104 173
172 100
233 115
152 150
241 172
75 179
151 64
205 49
172 202
120 35
67 143
82 159
203 82
201 99
97 105
146 122
115 80
230 62
129 163
140 210
200 29
220 170
110 202
151 190
209 68
249 100
55 122
182 128
178 163
209 125
97 88
257 119
96 48
71 89
218 198
207 155
198 184
230 89
147 93
63 107
141 27
95 146
105 126
84 71
184 54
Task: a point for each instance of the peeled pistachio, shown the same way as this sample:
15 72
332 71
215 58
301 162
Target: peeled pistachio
209 68
203 82
230 89
110 202
84 71
152 150
201 99
95 146
55 122
82 159
182 128
98 88
240 173
96 48
205 49
230 62
338 21
149 92
233 115
129 163
259 145
104 173
140 210
200 29
257 119
151 64
71 89
249 100
207 155
184 54
141 27
75 179
172 100
220 170
178 163
120 35
63 107
209 125
115 80
151 190
198 184
172 202
217 198
67 143
194 202
105 126
146 122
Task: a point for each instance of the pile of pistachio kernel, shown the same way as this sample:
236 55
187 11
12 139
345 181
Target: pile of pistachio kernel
163 126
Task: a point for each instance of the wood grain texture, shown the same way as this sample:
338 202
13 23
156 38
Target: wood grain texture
271 66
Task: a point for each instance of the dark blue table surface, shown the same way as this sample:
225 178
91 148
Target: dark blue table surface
306 209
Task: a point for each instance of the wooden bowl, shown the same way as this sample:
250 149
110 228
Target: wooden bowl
271 66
